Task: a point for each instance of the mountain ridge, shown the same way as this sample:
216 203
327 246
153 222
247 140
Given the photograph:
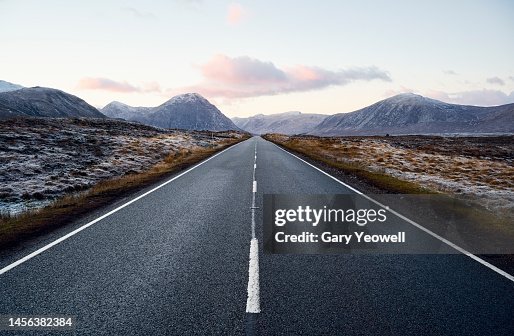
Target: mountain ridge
7 86
410 113
291 122
44 102
186 111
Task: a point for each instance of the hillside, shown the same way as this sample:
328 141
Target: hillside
188 111
44 102
414 114
284 123
6 86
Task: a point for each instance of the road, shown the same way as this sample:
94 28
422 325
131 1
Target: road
176 262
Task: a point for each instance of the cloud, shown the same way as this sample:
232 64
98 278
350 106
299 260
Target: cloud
511 78
241 70
495 80
190 4
151 87
474 97
235 14
107 84
450 72
242 77
482 97
138 14
394 92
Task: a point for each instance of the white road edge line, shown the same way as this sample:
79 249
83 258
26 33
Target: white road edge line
85 226
419 226
253 302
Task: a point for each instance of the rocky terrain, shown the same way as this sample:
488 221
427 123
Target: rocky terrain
477 168
45 158
284 123
187 111
413 114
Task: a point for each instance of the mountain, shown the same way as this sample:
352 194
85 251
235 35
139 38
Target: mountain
123 111
44 102
187 111
285 123
6 86
414 114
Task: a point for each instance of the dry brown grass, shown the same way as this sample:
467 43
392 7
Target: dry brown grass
344 156
15 230
469 168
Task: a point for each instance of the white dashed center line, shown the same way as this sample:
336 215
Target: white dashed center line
253 301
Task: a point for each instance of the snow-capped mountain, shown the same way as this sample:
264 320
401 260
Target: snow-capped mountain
44 102
285 123
123 111
6 86
414 114
187 111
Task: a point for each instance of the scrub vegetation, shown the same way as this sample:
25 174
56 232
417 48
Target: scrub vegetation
56 170
469 167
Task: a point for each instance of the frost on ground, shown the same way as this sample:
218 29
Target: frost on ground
477 168
43 159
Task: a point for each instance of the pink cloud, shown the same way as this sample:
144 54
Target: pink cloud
305 73
151 87
106 84
243 76
224 69
235 14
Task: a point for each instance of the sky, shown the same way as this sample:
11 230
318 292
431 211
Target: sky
251 57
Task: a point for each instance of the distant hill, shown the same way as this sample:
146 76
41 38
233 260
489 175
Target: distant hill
414 114
44 102
188 111
6 86
284 123
123 111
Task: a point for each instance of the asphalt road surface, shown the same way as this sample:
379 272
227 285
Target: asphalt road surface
175 262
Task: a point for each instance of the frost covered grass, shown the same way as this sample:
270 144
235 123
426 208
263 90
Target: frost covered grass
54 170
474 168
325 152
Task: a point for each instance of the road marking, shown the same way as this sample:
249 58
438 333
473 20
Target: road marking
254 191
85 226
253 300
253 305
419 226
